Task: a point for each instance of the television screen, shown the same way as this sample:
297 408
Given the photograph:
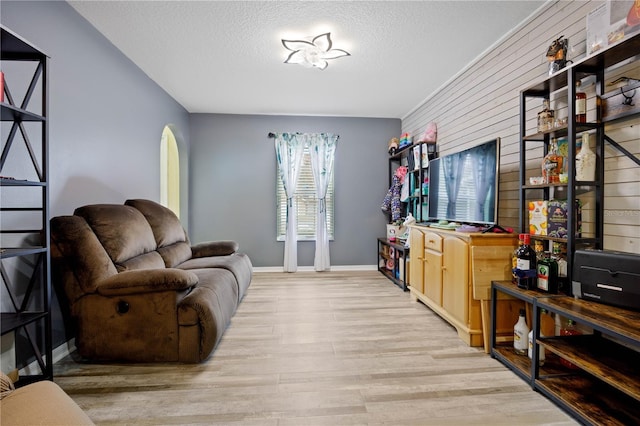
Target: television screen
463 187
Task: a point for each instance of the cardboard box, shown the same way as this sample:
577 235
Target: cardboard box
557 218
538 217
611 22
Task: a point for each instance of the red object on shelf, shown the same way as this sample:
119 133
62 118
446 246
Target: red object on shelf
569 330
1 86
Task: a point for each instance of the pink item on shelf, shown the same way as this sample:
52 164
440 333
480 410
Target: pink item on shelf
430 134
401 172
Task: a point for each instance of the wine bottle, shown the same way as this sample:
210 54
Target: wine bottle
581 104
526 264
514 260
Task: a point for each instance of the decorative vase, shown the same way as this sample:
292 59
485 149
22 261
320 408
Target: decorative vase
585 161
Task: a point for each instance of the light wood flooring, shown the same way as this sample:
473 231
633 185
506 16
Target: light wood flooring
333 348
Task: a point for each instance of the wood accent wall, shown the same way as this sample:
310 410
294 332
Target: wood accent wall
482 102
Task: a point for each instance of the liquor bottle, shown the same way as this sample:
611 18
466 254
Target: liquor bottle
547 279
538 247
581 104
563 284
545 117
552 164
526 264
585 161
514 260
547 323
520 332
569 330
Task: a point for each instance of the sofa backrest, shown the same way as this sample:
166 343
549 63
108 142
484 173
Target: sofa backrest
170 237
79 260
125 235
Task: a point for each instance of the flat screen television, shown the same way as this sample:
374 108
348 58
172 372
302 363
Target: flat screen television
463 187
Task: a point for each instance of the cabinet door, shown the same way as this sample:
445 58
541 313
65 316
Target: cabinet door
455 278
416 265
433 275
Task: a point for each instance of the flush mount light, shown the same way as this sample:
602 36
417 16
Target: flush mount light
314 53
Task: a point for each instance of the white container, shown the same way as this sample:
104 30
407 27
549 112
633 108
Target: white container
540 349
520 332
585 161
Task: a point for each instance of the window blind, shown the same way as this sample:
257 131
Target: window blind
307 203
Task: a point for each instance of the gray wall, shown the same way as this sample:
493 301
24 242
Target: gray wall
106 116
233 180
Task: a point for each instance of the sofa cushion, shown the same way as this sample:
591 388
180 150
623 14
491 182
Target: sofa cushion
165 225
123 231
174 254
171 239
151 260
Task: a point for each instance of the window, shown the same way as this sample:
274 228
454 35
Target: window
307 204
169 172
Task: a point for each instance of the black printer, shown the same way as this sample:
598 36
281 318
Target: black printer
607 276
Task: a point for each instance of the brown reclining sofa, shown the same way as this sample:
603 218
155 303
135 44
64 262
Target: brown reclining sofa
137 290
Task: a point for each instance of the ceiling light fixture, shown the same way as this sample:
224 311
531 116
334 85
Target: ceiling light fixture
314 53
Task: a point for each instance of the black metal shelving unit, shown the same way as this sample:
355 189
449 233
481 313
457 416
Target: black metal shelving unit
391 255
606 381
563 85
24 251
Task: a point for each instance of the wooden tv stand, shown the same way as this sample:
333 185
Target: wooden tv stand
451 273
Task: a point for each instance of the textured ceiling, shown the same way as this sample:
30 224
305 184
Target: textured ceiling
227 56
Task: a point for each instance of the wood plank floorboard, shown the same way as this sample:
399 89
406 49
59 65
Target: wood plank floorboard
332 348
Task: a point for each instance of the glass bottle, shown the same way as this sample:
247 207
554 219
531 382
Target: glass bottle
514 260
563 284
526 265
585 161
545 117
552 164
520 333
569 330
547 279
581 104
538 247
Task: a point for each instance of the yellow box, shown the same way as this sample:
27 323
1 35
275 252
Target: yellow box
538 217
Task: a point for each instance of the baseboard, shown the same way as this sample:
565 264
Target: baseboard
310 268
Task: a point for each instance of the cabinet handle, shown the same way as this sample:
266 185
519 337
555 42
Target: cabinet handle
431 241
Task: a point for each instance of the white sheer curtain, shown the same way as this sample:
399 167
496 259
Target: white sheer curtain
289 150
322 147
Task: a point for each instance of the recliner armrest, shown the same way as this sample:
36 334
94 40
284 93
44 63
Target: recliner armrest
214 248
147 281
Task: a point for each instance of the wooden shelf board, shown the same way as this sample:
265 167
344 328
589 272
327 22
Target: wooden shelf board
592 401
612 363
610 320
